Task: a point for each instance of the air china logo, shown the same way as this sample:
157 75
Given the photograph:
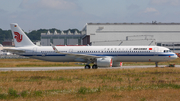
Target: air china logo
18 37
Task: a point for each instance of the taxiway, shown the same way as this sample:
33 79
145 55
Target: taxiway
71 68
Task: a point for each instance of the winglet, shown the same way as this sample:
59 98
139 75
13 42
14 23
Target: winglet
54 48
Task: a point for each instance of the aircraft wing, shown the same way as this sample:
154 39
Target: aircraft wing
84 56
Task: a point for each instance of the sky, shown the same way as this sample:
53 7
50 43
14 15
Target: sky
68 14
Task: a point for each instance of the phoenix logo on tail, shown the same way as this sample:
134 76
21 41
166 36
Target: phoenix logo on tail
18 37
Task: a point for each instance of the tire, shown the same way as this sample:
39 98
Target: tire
87 67
94 67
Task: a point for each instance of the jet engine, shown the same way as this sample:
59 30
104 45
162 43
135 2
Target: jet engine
104 62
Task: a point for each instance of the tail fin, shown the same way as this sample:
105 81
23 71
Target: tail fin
20 38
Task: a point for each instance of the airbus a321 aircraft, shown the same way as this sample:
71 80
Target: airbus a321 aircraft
100 56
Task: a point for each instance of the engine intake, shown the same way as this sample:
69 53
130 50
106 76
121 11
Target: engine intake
104 62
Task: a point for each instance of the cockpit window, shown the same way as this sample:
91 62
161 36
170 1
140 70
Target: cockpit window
166 51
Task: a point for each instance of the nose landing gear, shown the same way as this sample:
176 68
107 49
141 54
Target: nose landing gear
156 64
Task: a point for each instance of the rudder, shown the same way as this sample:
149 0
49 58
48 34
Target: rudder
20 38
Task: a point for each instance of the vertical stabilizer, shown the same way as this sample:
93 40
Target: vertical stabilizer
20 38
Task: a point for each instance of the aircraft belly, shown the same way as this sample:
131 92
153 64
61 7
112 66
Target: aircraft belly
116 59
140 58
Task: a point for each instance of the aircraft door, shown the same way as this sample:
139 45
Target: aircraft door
156 51
70 50
34 51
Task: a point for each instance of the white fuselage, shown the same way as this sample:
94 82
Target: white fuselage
100 56
117 53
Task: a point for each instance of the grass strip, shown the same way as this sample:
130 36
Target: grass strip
13 94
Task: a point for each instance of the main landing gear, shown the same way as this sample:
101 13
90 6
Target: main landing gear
94 66
89 67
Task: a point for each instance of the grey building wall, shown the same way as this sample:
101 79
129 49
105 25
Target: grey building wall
127 34
72 41
45 42
138 33
58 41
61 38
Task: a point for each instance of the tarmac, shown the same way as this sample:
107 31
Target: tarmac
72 68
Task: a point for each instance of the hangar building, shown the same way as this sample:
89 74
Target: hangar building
161 34
61 38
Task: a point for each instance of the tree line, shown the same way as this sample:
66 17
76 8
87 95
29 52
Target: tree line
34 35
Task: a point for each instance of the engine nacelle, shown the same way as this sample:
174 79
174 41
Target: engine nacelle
104 62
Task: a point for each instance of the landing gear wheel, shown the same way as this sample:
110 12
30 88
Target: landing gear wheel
87 67
94 67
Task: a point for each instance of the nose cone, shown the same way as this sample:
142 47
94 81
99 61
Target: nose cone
174 57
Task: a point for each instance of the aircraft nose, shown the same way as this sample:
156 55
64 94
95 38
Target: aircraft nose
177 56
174 57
